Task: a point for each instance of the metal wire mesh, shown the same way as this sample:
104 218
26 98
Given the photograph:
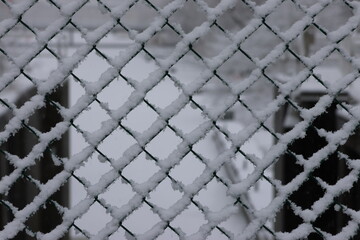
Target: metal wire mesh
256 56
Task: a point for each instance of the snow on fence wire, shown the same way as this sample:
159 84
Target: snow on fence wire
287 65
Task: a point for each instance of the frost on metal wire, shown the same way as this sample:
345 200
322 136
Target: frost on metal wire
252 59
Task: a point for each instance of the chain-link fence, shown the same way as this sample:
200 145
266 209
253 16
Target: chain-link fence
179 119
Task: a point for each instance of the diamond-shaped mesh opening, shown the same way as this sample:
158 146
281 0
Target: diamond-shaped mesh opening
118 193
116 144
232 21
89 222
350 198
333 225
98 16
93 169
326 170
139 16
91 60
22 87
211 44
284 68
16 40
191 212
236 68
163 42
124 38
228 226
188 118
116 93
286 10
188 169
240 114
309 93
212 95
91 118
46 9
262 140
309 42
163 144
23 136
260 43
250 97
256 146
202 146
309 145
340 11
167 89
285 118
140 169
348 50
50 208
165 194
214 196
140 118
111 45
188 69
42 72
330 75
190 8
262 193
75 38
18 197
134 223
50 115
131 68
309 192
